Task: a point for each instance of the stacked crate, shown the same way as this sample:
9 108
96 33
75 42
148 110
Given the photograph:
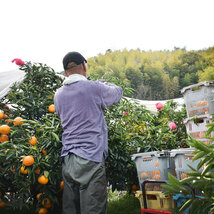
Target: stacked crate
153 166
152 171
200 107
183 159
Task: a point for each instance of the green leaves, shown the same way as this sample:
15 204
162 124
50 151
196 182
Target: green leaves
46 174
132 129
35 93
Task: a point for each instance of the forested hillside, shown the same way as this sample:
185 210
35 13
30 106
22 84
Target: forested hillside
155 74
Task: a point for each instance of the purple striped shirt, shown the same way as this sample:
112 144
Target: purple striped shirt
80 107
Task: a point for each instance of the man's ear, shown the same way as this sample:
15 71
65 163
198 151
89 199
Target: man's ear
66 74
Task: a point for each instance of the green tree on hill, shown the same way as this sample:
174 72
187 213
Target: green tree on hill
155 75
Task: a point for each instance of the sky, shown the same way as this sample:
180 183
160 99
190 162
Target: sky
45 30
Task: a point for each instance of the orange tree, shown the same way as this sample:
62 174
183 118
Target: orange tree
131 129
30 155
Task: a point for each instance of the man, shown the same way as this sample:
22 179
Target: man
80 103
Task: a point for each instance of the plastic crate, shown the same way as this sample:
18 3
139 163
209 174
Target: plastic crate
198 98
152 211
181 199
182 157
197 128
156 200
153 166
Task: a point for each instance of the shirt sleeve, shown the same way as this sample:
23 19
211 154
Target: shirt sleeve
55 105
110 94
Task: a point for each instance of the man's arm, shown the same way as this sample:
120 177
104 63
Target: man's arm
110 94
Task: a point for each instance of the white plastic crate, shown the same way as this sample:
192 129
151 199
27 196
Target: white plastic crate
198 98
197 128
154 165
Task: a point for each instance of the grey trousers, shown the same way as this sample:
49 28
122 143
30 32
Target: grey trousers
85 188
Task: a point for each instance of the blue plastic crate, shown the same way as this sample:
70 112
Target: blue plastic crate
199 98
183 158
154 166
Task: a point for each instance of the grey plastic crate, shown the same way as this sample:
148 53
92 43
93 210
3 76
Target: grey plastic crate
183 158
154 165
197 128
198 98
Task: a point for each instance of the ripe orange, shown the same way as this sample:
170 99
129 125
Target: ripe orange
37 171
42 211
61 185
1 115
33 141
44 151
5 116
17 121
28 160
2 204
43 180
51 108
3 138
8 121
38 195
23 171
46 203
12 170
4 129
134 187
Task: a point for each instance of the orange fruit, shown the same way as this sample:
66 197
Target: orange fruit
23 171
17 121
61 185
28 160
4 129
42 211
8 121
134 187
3 138
12 170
46 203
43 180
1 115
37 171
38 195
33 141
5 116
2 204
44 151
51 108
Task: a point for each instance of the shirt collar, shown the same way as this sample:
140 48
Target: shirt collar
73 78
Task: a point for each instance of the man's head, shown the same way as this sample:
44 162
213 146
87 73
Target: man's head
74 63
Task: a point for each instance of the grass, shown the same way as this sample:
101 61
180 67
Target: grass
124 205
121 205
